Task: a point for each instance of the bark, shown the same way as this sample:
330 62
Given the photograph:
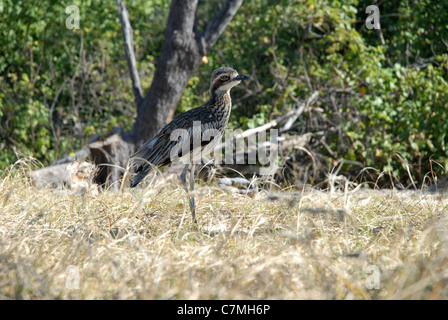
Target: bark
111 155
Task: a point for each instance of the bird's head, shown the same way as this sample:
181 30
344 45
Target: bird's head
224 79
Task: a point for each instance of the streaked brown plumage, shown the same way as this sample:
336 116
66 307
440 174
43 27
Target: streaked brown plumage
214 114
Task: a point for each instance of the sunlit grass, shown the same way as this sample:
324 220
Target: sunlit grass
143 245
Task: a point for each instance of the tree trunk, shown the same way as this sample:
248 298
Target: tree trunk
180 57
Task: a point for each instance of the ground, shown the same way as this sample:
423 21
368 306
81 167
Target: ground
277 244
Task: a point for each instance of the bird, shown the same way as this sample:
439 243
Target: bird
182 139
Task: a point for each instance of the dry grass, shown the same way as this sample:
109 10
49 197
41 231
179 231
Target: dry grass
301 245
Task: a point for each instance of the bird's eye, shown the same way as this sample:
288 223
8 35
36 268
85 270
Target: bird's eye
224 78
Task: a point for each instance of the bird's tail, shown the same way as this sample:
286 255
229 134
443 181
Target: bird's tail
150 156
142 171
139 178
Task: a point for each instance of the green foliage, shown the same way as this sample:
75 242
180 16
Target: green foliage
383 105
409 120
60 86
378 106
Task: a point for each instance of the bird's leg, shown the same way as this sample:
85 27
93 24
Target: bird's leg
192 207
183 177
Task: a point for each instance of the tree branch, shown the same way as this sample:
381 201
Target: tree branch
129 51
217 26
286 121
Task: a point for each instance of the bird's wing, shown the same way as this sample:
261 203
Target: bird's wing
176 139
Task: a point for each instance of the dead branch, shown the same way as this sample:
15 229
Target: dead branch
286 121
129 51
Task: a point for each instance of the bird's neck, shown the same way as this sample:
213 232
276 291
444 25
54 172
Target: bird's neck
221 106
220 98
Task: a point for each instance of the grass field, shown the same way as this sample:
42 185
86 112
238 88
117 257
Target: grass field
357 244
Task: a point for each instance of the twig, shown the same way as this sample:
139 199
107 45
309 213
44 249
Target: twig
129 51
219 23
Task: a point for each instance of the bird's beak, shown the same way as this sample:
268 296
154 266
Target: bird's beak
241 77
